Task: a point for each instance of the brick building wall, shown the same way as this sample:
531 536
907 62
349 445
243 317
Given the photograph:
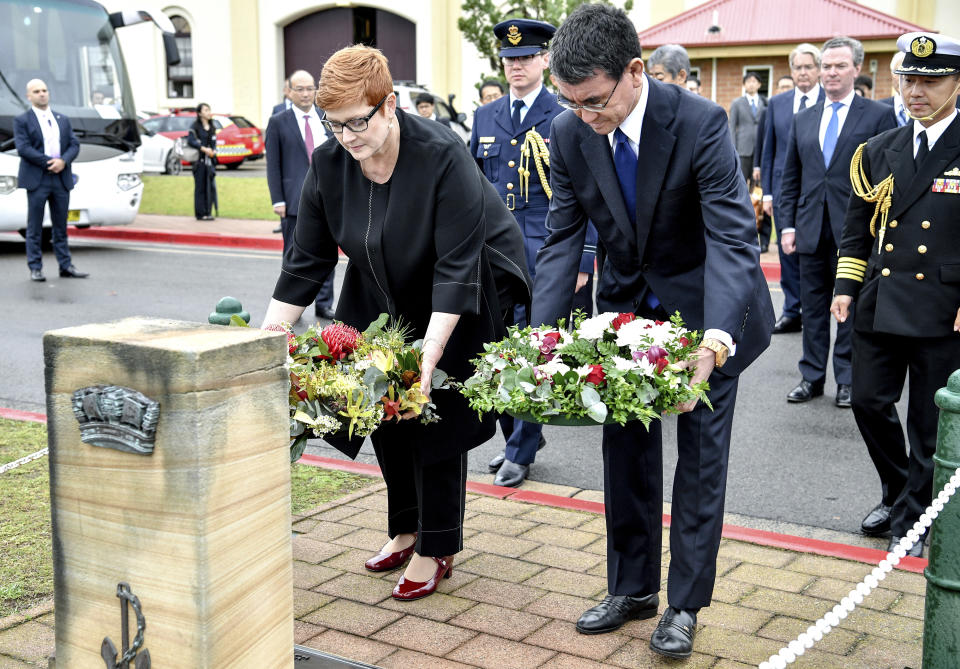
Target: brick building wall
730 74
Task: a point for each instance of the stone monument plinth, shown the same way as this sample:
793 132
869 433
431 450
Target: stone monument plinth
170 472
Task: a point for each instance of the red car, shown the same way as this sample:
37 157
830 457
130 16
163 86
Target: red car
237 138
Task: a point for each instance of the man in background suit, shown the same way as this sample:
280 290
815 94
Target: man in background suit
291 137
904 271
287 101
669 63
778 120
895 100
784 85
47 146
676 233
501 130
744 116
813 202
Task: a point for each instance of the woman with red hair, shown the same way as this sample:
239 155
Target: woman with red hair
428 241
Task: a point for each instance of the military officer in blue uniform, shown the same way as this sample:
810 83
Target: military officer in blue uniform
900 261
511 143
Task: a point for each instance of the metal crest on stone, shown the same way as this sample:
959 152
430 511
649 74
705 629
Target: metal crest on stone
116 417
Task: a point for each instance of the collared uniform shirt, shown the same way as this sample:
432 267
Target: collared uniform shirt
933 132
528 101
51 131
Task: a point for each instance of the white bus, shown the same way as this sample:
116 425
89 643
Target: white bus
72 46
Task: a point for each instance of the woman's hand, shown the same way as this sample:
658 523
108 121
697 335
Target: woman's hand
434 341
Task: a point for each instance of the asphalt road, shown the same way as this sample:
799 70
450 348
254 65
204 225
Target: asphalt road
799 464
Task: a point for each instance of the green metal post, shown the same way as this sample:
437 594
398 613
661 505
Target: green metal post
941 627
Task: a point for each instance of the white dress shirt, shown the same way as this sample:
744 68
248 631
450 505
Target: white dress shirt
898 109
51 131
632 126
812 96
828 113
528 101
319 134
933 132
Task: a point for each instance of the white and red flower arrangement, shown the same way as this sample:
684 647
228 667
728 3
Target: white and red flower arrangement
611 368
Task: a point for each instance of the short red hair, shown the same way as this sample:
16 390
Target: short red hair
354 74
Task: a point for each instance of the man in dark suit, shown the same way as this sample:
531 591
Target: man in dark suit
904 271
287 101
676 233
501 131
47 146
813 202
291 137
805 70
765 227
744 115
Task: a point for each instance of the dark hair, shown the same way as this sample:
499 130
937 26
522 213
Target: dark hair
423 97
752 75
594 37
487 83
786 76
855 46
863 80
694 80
199 105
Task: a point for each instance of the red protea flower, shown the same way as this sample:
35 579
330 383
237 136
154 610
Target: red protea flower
620 319
341 339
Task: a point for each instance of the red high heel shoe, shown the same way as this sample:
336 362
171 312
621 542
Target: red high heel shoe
387 561
407 590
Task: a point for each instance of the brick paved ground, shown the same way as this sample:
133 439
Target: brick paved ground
526 574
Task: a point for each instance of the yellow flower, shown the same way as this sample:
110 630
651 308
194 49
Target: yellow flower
413 399
382 360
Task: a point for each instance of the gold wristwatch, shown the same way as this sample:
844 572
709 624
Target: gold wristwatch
719 348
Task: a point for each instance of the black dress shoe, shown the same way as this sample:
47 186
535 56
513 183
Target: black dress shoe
788 324
877 521
511 474
72 272
277 230
325 312
843 396
804 392
498 459
764 247
37 275
915 551
674 634
615 610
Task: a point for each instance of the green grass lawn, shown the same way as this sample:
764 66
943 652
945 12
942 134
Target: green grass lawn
239 197
26 564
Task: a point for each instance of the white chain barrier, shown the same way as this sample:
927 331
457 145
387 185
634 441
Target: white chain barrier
789 653
22 461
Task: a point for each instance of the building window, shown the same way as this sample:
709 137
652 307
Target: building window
180 76
765 72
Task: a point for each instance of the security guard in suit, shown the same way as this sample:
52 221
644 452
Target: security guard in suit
510 141
900 261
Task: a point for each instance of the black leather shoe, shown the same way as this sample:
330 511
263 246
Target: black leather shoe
788 324
326 312
915 551
494 465
764 247
511 474
72 272
37 275
804 392
277 230
843 396
674 634
615 610
877 521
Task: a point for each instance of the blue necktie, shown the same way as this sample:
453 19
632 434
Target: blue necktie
830 138
753 108
803 102
625 162
517 106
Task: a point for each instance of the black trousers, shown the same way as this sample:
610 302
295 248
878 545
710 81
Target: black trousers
880 364
818 271
324 298
424 498
633 497
204 173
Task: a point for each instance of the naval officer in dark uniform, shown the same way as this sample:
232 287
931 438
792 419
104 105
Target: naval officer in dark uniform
900 261
510 142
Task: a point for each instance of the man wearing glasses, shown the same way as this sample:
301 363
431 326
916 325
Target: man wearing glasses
503 131
291 137
676 234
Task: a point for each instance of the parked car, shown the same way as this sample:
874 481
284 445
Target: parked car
156 152
407 92
237 138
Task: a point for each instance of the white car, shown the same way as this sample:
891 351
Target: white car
407 92
158 154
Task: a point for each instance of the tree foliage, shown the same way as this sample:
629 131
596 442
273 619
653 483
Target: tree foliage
478 17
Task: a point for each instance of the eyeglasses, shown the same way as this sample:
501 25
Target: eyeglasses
304 89
358 124
566 104
519 60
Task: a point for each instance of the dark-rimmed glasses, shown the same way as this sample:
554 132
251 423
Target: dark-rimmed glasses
358 124
566 104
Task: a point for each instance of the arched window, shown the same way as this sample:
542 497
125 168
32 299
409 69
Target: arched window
180 77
